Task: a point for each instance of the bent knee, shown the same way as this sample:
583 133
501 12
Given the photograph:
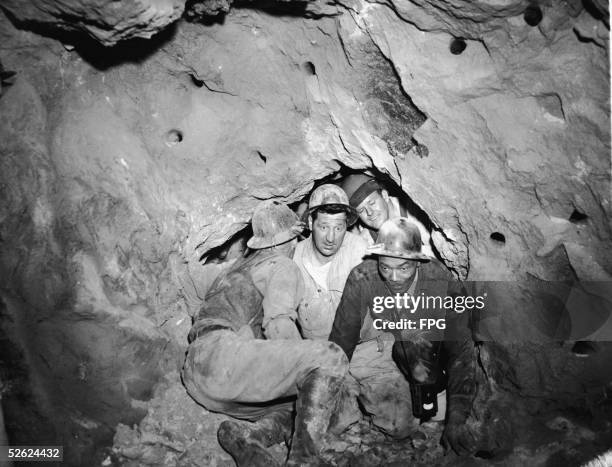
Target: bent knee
330 358
337 358
397 427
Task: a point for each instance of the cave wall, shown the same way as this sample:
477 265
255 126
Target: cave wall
123 166
521 120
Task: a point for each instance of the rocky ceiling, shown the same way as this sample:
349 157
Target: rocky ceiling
138 135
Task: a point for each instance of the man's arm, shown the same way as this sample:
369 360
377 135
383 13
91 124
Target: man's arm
284 291
348 321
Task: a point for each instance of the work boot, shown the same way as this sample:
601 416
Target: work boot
246 442
317 398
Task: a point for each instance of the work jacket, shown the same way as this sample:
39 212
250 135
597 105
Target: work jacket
253 291
318 306
354 323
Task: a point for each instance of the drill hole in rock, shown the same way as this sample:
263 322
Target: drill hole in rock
533 15
309 68
173 137
498 238
578 217
457 46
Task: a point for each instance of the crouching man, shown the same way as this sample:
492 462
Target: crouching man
246 358
401 372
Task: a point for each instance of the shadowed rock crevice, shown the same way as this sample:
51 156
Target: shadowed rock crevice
106 22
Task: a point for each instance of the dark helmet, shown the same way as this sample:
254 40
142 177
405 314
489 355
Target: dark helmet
358 187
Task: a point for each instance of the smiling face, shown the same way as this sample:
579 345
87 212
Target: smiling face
398 273
373 211
328 232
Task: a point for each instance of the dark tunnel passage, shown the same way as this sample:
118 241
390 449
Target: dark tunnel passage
236 245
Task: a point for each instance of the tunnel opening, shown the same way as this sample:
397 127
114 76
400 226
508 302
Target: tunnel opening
399 200
233 248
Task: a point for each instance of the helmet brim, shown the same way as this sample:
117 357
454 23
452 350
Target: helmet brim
258 243
415 256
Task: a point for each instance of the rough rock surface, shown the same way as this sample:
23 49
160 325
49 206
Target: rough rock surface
105 21
509 119
177 432
121 169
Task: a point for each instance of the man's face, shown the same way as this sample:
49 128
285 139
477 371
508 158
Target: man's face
328 232
398 273
373 210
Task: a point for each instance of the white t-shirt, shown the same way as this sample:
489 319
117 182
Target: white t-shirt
319 272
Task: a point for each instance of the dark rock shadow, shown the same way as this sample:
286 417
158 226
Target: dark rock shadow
128 51
274 8
101 57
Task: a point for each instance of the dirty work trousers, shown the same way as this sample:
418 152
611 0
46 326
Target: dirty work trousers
383 391
248 378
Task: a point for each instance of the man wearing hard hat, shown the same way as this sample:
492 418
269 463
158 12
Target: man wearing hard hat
247 359
400 371
326 258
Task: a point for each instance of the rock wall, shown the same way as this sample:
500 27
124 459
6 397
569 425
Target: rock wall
122 167
521 120
106 22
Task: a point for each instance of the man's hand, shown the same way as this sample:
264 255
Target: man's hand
459 436
282 328
416 337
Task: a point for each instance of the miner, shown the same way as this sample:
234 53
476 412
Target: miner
326 258
374 206
247 360
402 372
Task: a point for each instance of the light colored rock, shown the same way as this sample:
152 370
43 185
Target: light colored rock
108 22
519 116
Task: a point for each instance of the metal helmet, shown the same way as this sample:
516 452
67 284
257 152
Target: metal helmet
358 187
331 196
273 223
399 238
